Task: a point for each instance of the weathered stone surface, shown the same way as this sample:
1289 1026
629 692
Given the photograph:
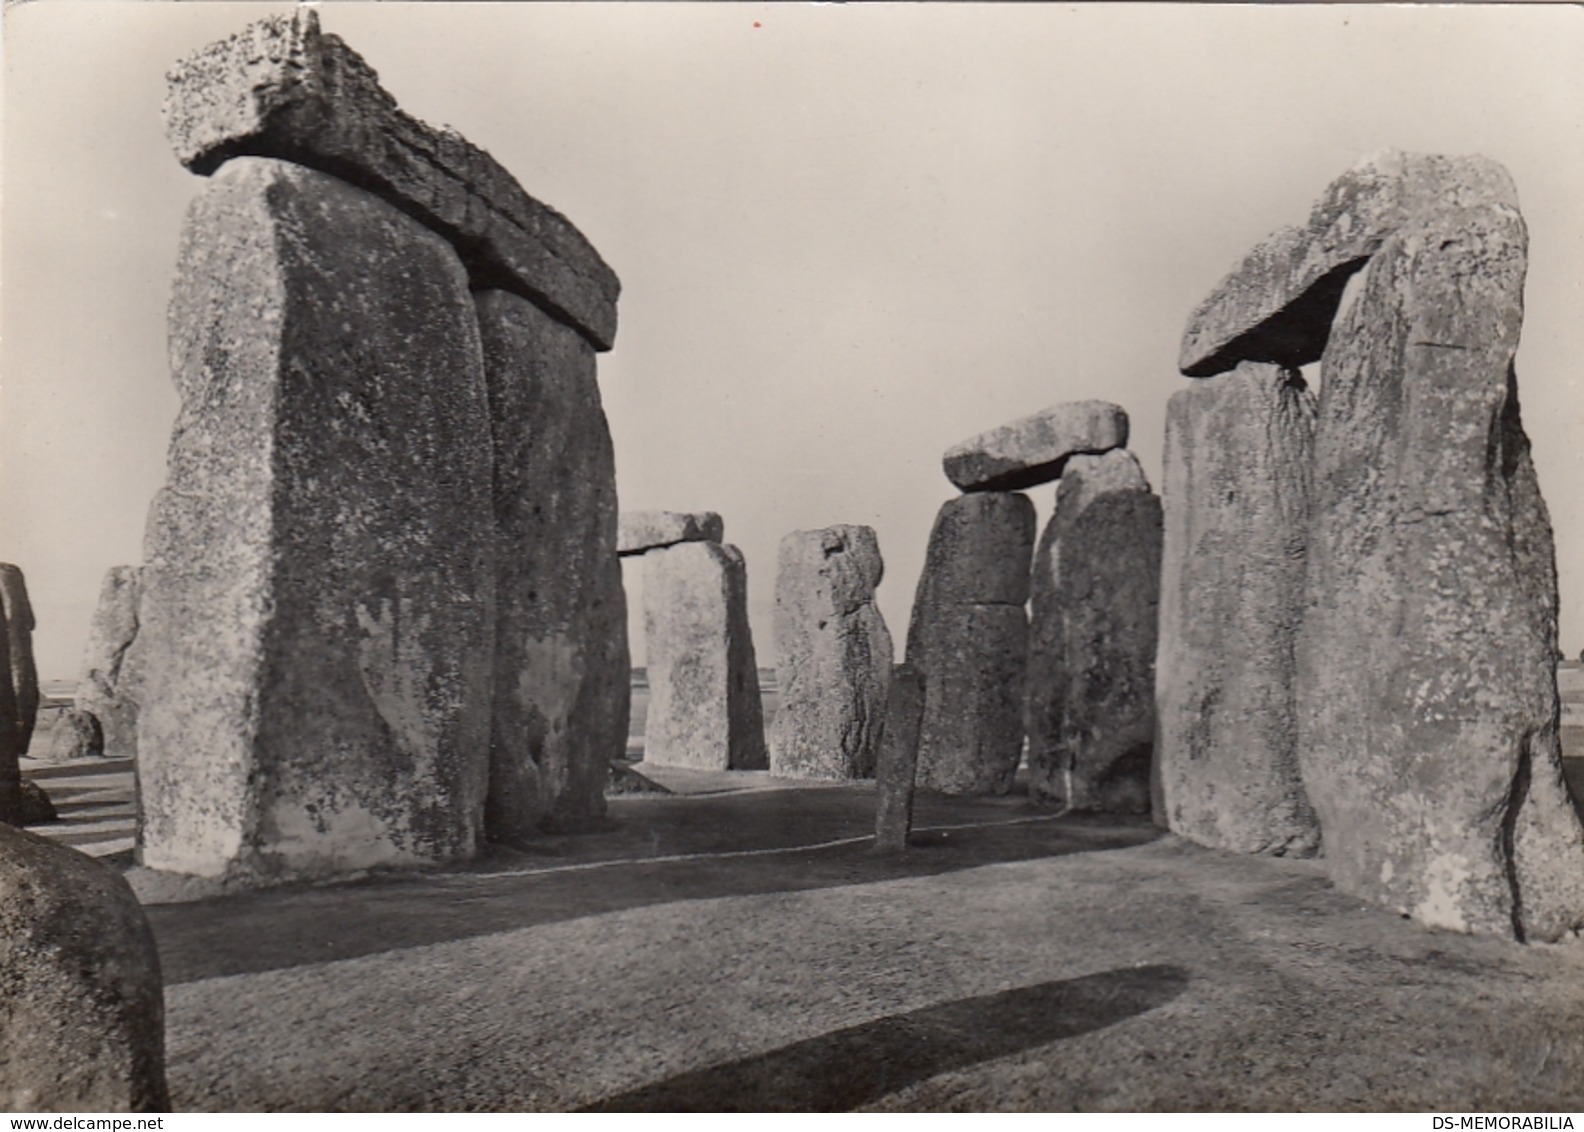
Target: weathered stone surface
833 655
100 688
1090 712
82 1016
280 88
704 706
898 765
1032 451
1278 304
317 594
76 735
562 674
37 809
18 614
1427 656
968 638
640 531
1236 492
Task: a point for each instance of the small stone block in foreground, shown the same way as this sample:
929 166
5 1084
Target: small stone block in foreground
1032 451
894 777
833 655
641 531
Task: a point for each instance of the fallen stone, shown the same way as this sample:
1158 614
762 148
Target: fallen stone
641 531
1426 659
833 655
82 1022
1033 450
101 688
18 614
704 706
562 675
317 595
37 809
968 639
1090 713
898 760
1278 305
1238 453
280 88
76 735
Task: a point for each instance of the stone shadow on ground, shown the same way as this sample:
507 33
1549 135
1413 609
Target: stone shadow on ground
846 1069
708 848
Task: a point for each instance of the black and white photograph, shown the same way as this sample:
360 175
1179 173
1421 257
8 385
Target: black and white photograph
791 557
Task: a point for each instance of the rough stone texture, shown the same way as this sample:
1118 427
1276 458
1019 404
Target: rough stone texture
704 706
1236 499
76 735
1427 656
37 809
1032 451
898 759
100 685
1278 304
562 674
968 639
82 1011
18 614
317 594
640 531
833 655
280 88
1090 712
10 735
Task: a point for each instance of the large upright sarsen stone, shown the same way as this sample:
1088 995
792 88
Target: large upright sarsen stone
968 640
317 600
17 611
833 655
562 674
100 687
1236 498
1090 714
1427 656
704 705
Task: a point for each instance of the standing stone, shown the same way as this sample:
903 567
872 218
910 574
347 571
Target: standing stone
641 531
317 594
898 760
10 736
1236 498
17 612
562 674
1426 660
1090 713
101 688
833 655
704 706
1033 450
968 638
82 1019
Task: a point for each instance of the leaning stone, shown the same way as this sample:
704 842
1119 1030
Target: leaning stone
968 638
77 734
101 688
704 706
317 594
37 809
280 88
562 675
18 614
1278 305
82 1022
1090 713
833 655
898 760
641 531
1426 660
1236 494
1032 451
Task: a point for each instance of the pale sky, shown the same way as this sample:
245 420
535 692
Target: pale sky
848 236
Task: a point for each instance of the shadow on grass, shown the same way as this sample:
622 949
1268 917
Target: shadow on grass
848 1068
277 929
